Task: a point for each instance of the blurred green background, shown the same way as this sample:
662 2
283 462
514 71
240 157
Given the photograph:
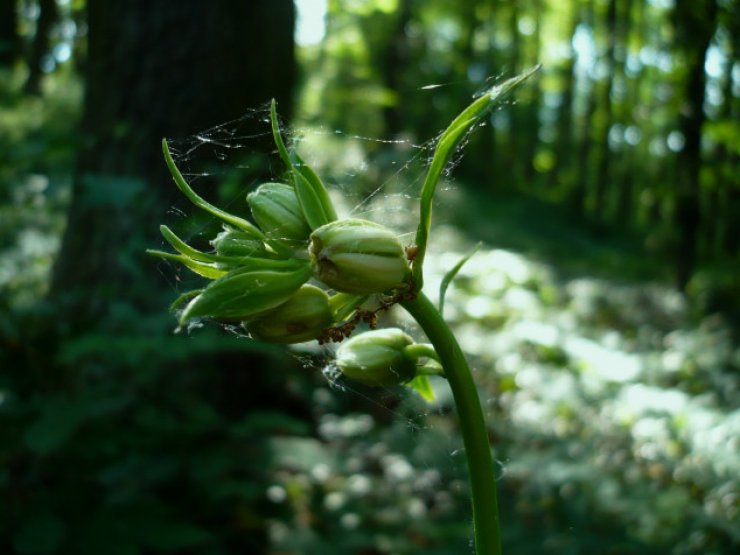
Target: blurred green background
601 314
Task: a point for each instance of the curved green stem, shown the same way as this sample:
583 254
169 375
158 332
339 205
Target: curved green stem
486 524
419 350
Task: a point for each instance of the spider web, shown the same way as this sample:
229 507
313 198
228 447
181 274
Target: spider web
372 178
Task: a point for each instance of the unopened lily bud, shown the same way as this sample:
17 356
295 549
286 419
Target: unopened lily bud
232 242
301 318
357 256
247 292
278 213
377 357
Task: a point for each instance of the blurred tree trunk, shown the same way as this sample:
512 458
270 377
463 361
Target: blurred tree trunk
48 15
727 219
626 203
603 165
9 41
577 195
488 150
560 175
156 69
533 100
515 171
695 24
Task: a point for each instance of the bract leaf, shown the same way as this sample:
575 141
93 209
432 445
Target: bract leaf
446 145
245 293
231 219
204 269
311 205
310 180
449 276
423 387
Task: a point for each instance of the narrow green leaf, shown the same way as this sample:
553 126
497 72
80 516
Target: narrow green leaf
311 205
298 166
236 221
184 298
449 276
316 184
423 387
204 269
446 145
344 304
277 136
182 247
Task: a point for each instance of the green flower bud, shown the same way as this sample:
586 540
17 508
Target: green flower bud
232 242
278 212
302 318
377 357
357 256
247 292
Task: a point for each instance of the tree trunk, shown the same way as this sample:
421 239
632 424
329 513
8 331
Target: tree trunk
516 123
603 165
560 175
9 42
695 24
534 103
577 197
156 69
159 69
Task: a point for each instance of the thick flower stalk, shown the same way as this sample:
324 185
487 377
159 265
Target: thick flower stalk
259 274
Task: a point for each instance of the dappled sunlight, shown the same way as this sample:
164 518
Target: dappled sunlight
607 371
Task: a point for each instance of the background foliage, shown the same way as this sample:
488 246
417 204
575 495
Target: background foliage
601 313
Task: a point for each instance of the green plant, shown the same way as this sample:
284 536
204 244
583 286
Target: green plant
260 281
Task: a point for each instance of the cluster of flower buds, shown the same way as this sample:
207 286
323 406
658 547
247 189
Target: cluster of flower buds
260 272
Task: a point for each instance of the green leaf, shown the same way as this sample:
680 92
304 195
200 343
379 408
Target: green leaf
184 298
423 387
317 204
449 276
446 145
311 205
277 137
231 219
209 271
182 247
316 184
245 293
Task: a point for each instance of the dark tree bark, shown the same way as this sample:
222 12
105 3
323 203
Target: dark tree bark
392 67
156 69
48 15
159 69
695 25
9 42
726 233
